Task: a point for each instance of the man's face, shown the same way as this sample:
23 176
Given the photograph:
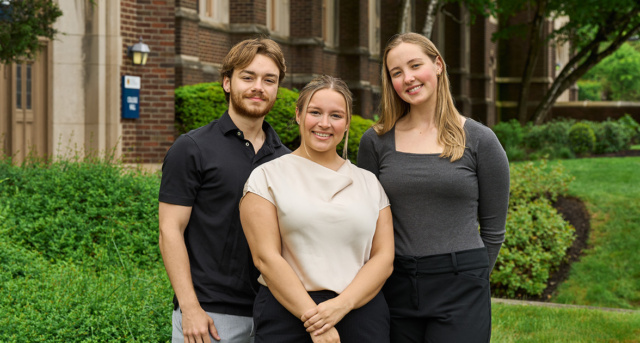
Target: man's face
253 89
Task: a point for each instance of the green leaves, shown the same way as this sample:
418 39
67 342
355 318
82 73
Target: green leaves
619 75
79 257
537 236
21 24
197 105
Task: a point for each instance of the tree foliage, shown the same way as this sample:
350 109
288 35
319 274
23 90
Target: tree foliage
595 29
618 75
22 22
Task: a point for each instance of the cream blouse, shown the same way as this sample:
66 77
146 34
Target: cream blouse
327 218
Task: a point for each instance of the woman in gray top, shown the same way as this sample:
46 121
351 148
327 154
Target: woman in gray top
445 176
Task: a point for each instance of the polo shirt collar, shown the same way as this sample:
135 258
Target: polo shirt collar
228 126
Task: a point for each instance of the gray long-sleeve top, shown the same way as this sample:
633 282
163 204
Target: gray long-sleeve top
437 205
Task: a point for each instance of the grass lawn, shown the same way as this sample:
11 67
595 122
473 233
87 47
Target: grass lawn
521 323
608 274
635 147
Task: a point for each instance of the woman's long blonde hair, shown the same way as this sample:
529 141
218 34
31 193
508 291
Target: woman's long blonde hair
319 83
450 131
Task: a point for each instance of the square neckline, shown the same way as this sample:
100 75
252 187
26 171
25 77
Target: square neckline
395 149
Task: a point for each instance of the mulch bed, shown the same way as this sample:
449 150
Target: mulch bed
624 153
575 212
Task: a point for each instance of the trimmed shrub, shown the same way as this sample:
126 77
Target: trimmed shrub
554 134
198 105
537 237
611 136
511 135
536 244
582 139
632 127
67 303
94 208
79 257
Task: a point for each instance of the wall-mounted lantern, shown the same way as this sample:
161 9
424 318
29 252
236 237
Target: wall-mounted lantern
138 53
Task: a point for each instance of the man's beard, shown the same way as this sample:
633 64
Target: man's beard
236 98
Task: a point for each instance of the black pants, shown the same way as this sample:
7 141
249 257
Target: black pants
275 324
440 298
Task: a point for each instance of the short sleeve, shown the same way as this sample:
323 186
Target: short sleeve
384 200
258 184
181 173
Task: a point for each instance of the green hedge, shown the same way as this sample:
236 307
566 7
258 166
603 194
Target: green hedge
79 257
537 236
197 105
553 140
582 139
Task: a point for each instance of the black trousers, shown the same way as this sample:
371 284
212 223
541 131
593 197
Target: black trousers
275 324
440 298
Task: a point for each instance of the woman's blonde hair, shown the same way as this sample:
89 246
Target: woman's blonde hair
320 83
450 131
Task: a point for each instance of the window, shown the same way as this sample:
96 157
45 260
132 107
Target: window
28 95
330 23
278 17
24 85
19 86
216 11
374 27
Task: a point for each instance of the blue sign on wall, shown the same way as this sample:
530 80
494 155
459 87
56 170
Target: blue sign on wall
130 97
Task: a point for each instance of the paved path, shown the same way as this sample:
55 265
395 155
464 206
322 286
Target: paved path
545 304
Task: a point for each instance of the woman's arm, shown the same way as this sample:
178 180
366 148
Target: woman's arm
260 224
367 283
493 188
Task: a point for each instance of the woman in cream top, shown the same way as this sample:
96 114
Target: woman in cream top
321 213
320 233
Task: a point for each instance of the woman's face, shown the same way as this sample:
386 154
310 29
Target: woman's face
324 124
413 74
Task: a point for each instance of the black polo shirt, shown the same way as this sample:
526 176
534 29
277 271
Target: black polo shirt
206 169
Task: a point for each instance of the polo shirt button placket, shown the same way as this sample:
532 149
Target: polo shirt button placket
247 143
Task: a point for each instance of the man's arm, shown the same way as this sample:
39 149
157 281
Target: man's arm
196 324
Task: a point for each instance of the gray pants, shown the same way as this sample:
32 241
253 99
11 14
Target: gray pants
232 329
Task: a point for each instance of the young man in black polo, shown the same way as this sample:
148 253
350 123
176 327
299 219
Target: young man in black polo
203 247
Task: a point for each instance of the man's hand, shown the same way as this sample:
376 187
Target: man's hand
196 326
331 336
324 316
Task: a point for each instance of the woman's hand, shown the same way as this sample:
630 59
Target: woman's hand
325 316
331 336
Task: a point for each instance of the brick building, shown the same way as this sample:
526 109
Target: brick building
76 81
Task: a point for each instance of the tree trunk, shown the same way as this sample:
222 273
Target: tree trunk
431 18
536 37
405 17
579 65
